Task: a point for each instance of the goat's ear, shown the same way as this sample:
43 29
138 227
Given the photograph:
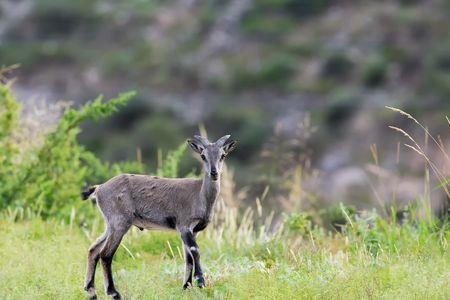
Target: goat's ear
195 145
220 142
229 146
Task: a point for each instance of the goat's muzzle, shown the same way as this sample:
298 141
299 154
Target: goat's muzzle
214 174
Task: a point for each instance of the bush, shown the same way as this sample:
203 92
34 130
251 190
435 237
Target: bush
9 110
48 16
375 72
266 26
296 8
337 216
298 223
275 71
437 78
337 66
47 179
303 8
340 110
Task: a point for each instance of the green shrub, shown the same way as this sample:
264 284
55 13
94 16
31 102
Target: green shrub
337 216
337 66
298 223
437 78
296 8
47 16
275 71
305 8
9 110
375 72
47 180
169 167
340 110
269 26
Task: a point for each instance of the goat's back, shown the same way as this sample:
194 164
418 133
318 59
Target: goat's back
149 197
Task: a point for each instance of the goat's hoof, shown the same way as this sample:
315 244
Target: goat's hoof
91 295
114 295
200 282
187 285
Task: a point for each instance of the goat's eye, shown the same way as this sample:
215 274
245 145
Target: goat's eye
203 157
222 157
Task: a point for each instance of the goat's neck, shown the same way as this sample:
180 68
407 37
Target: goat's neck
209 192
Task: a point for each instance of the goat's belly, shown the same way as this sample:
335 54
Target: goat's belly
150 225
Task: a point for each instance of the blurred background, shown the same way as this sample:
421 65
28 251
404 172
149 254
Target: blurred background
302 85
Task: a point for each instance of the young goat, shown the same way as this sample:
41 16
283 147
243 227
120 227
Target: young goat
150 202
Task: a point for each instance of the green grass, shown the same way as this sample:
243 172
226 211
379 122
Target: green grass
46 260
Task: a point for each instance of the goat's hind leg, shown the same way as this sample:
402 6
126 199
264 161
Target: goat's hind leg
110 246
93 257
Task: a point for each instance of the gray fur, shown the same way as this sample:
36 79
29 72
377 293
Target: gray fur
150 202
202 140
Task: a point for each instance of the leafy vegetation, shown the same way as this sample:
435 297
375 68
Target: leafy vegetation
47 179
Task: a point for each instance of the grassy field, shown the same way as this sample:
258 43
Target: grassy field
45 232
46 260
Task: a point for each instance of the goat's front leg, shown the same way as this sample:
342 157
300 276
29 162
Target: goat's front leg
190 243
189 267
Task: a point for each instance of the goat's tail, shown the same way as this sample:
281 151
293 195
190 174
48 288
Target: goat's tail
87 193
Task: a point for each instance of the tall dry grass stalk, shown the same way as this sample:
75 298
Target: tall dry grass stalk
374 152
427 132
417 148
231 227
297 197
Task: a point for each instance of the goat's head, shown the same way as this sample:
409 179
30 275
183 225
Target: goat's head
212 154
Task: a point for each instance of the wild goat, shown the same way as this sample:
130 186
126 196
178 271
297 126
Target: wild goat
151 202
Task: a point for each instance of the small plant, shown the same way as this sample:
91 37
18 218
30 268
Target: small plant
337 216
298 223
169 167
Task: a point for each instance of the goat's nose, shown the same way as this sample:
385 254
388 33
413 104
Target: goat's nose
214 172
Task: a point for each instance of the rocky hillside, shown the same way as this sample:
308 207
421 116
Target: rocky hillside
311 76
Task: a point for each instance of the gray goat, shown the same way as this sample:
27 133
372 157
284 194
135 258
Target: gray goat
150 202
